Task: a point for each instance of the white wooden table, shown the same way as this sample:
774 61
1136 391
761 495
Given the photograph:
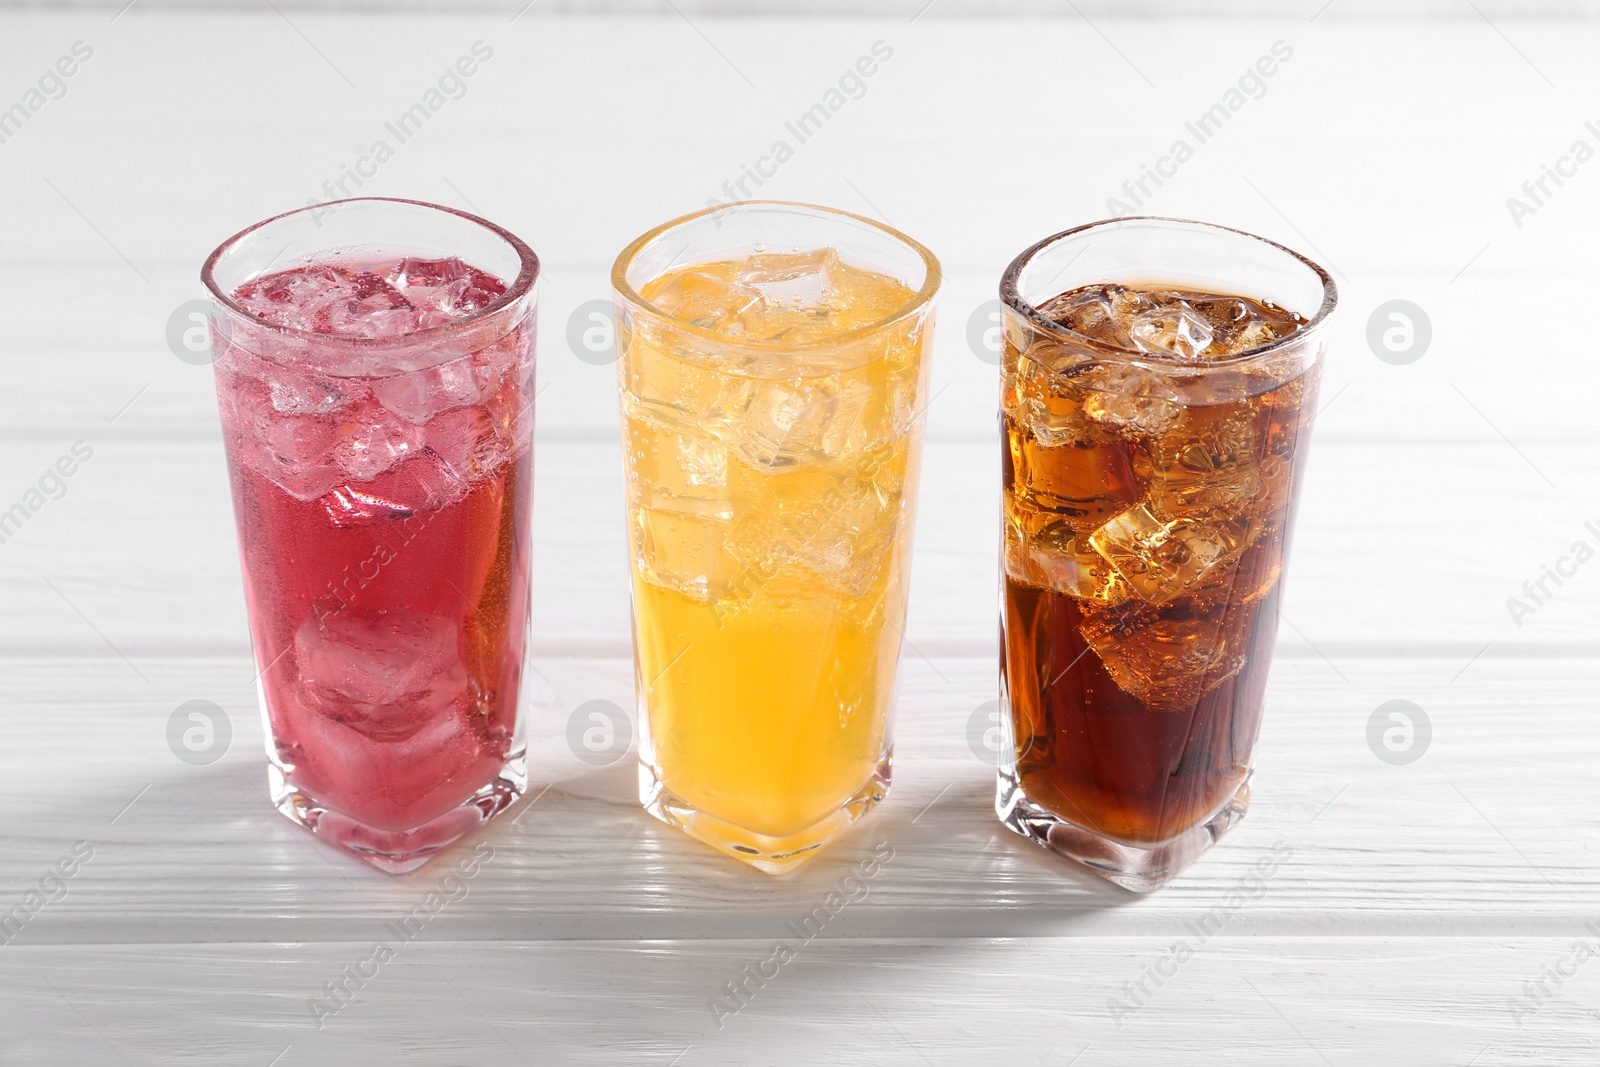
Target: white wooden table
1419 899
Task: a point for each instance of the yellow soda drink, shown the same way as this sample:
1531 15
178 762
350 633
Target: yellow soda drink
771 411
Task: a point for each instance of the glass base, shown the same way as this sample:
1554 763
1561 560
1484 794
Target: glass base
773 855
1139 868
399 851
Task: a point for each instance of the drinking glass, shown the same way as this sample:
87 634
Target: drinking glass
374 366
773 371
1158 386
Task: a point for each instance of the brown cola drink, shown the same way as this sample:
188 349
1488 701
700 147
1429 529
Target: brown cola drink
1153 444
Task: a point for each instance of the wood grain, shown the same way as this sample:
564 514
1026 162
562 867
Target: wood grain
1459 843
1034 1000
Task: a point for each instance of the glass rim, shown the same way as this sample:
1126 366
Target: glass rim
1011 297
516 289
931 281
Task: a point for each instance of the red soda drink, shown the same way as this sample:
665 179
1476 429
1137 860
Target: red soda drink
377 413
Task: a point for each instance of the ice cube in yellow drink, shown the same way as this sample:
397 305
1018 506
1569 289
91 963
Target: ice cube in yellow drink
770 431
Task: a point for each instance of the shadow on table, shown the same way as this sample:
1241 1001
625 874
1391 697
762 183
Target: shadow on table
179 849
907 869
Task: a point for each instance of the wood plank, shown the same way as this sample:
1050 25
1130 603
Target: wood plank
1459 843
178 83
1111 10
1271 1000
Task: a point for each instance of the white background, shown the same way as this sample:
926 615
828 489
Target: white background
1419 899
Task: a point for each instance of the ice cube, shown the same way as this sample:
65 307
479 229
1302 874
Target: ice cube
389 677
293 438
1129 398
513 352
443 289
303 481
673 470
1167 659
421 394
376 658
369 302
1127 303
794 279
423 713
676 389
1275 474
1171 329
1205 463
423 483
465 439
706 300
1103 313
685 553
365 306
1218 310
900 402
1043 393
372 439
1255 335
312 394
291 451
475 295
1248 575
823 522
1284 384
1043 551
1160 560
848 533
1082 484
296 297
1260 323
414 273
1053 422
432 740
293 390
510 412
775 424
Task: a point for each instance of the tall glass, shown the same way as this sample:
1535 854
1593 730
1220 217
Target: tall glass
773 377
374 368
1159 383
